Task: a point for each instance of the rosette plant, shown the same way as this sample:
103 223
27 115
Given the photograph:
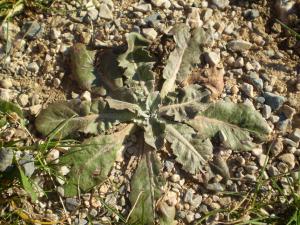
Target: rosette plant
164 110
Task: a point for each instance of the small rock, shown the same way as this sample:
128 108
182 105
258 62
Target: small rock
72 204
86 96
212 58
35 109
150 33
283 125
289 142
262 159
5 94
277 148
254 79
194 18
239 62
171 198
64 170
273 171
295 136
105 12
248 89
273 100
221 4
239 45
229 28
143 8
93 212
32 29
93 14
55 34
33 67
207 14
152 20
289 159
80 221
266 111
216 187
52 156
161 3
288 111
234 89
196 201
257 151
260 100
190 217
56 82
169 165
251 14
274 119
6 83
27 163
23 100
175 178
188 197
203 209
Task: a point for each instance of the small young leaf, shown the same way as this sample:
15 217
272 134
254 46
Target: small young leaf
26 183
91 162
82 65
234 122
191 151
145 190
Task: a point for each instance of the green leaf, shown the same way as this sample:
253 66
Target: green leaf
72 116
145 190
184 57
136 55
185 103
191 151
122 105
26 183
91 162
233 122
154 133
82 65
9 107
167 213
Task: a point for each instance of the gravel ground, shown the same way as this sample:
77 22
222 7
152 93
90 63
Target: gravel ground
261 64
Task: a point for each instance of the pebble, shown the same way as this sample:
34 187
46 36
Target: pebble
288 111
5 94
143 8
72 204
266 111
105 12
254 79
212 58
277 148
55 33
239 45
251 14
188 197
150 33
283 125
190 217
33 67
169 165
93 14
221 4
161 3
175 178
93 212
6 83
35 109
248 89
273 100
194 18
289 142
217 187
274 119
196 201
229 28
23 99
262 159
32 29
171 198
27 163
207 14
295 135
80 221
86 96
289 159
239 62
56 82
257 151
273 171
52 156
64 170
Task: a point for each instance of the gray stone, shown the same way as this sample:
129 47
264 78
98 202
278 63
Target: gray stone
56 82
55 33
239 45
23 100
161 3
6 158
169 165
254 79
93 14
212 58
273 171
150 33
206 15
251 14
6 83
274 118
283 125
188 197
221 4
72 204
290 142
32 29
27 163
80 221
247 89
93 212
105 12
196 201
273 100
266 111
260 99
33 67
190 217
175 178
143 8
216 187
153 20
262 159
289 159
203 209
288 111
295 136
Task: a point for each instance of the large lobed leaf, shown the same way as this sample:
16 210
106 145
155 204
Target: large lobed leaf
66 118
233 122
145 190
91 162
191 151
184 57
185 103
